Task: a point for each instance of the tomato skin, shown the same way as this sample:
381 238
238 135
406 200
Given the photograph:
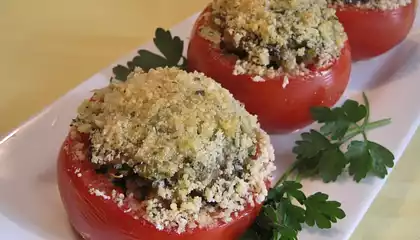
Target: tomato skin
279 110
96 218
374 32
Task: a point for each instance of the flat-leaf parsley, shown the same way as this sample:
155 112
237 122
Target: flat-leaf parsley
320 154
170 47
287 208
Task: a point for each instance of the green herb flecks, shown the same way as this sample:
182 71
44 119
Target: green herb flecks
170 47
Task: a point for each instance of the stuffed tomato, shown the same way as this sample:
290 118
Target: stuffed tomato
375 26
279 58
165 155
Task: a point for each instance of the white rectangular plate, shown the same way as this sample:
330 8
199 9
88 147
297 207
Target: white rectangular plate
30 207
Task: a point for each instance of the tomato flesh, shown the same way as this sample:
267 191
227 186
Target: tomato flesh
279 109
99 218
374 32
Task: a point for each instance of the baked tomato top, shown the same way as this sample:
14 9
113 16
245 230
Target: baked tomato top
281 102
372 32
98 209
165 155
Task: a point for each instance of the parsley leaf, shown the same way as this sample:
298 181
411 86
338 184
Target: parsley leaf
293 216
291 188
360 161
280 210
170 47
354 111
367 156
311 144
382 158
281 219
338 120
271 215
121 72
148 60
250 234
322 212
331 164
318 156
285 233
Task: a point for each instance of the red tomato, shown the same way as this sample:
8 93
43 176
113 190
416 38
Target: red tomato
279 109
373 32
99 218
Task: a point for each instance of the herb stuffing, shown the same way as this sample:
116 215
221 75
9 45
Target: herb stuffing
273 37
180 144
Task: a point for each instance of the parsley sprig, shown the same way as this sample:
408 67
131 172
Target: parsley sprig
170 47
320 154
287 208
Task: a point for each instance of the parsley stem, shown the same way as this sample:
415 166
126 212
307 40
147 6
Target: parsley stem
376 124
298 177
352 132
367 105
287 173
356 130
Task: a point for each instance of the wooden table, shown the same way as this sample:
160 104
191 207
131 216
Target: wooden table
47 47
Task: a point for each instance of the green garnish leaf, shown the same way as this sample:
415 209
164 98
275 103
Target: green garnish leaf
367 156
290 188
148 60
323 114
360 160
121 72
250 234
322 212
273 218
285 233
354 111
338 120
276 234
293 216
170 47
281 218
311 145
332 163
293 189
318 156
382 159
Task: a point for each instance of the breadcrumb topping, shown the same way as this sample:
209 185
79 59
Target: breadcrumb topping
206 156
373 4
273 37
